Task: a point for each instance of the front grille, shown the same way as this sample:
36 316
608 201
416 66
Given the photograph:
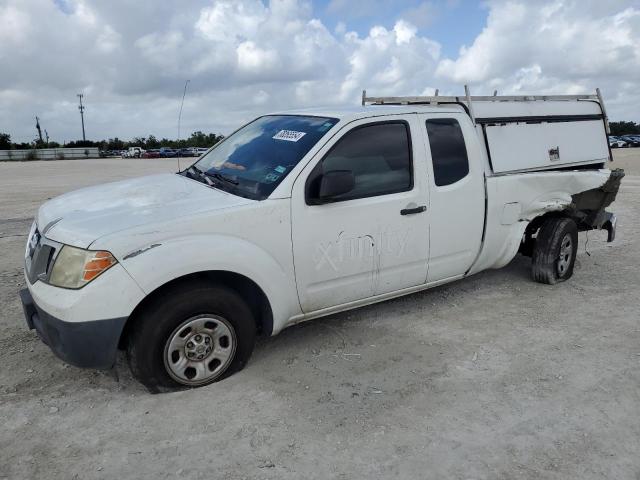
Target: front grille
39 261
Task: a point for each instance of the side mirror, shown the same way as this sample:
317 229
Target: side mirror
335 183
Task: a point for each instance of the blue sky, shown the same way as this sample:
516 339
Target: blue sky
453 23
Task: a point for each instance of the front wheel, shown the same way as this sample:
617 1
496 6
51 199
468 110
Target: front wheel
555 250
195 334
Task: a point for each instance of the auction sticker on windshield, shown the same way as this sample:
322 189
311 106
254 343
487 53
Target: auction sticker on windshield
289 135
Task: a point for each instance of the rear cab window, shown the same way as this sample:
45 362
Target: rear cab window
448 151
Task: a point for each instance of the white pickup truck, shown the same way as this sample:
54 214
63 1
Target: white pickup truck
302 214
133 152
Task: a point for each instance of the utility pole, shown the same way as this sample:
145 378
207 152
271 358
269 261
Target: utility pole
38 128
81 108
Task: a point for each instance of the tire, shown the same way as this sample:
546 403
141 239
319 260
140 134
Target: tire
193 335
554 254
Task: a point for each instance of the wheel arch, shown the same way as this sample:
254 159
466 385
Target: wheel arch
246 287
528 241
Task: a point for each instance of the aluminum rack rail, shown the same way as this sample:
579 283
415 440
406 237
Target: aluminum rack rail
468 100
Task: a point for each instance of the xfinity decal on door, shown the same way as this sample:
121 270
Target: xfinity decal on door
332 253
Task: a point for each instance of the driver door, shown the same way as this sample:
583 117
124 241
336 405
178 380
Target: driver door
374 238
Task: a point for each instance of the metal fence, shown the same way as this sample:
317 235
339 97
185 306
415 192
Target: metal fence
49 154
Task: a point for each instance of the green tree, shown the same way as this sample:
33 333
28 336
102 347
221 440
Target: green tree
82 144
114 144
138 142
152 142
624 128
202 140
5 141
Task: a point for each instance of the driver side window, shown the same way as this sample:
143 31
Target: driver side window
378 155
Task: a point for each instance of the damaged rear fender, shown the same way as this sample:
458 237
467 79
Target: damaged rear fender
515 200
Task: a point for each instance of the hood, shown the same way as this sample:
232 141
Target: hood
80 217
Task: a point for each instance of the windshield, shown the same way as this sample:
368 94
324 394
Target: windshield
255 159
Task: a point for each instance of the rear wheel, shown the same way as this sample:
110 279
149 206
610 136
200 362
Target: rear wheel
193 335
554 253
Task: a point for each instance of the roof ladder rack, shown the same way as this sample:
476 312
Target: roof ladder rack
469 106
468 100
462 99
604 111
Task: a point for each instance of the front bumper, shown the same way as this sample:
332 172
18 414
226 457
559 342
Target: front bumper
92 344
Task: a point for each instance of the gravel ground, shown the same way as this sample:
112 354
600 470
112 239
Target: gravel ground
487 378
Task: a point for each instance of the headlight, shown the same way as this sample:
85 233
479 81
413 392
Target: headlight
75 267
30 246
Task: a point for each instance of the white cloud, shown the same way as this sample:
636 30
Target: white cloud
247 57
555 47
404 32
254 59
108 40
15 25
229 21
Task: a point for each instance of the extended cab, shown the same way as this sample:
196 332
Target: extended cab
302 214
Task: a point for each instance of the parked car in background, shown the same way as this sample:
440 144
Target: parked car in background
133 152
615 142
632 140
109 153
185 152
151 154
166 152
201 151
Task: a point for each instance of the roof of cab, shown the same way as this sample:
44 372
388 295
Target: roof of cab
357 112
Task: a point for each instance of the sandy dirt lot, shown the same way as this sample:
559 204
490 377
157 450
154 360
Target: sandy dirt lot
492 377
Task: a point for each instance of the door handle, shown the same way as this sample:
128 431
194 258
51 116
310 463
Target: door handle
411 211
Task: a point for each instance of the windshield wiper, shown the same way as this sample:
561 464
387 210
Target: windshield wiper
207 175
197 174
220 176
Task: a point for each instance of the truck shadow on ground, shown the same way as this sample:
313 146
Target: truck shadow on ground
390 324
